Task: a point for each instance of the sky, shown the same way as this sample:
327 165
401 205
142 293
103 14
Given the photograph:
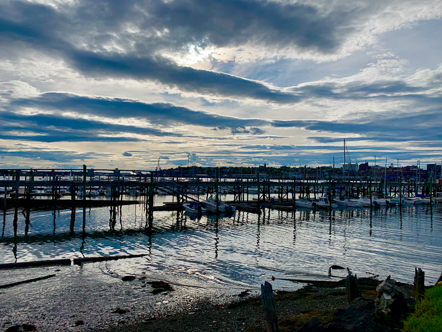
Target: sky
138 84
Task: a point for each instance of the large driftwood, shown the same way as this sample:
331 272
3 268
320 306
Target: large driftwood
268 300
51 262
419 284
66 261
79 261
27 281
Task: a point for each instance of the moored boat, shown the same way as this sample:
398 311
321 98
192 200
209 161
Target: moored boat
211 205
324 203
304 203
193 207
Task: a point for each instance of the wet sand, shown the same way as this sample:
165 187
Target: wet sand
246 314
78 298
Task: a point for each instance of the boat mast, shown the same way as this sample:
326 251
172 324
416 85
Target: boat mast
385 178
343 169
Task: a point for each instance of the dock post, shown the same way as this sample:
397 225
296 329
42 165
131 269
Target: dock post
294 193
4 200
216 189
84 182
259 195
151 189
400 191
17 183
369 191
329 193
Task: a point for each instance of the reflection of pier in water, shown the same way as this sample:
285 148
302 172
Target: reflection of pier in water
184 222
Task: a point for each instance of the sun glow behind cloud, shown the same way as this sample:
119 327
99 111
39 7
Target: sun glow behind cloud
285 82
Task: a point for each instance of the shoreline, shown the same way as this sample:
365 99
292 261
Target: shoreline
294 308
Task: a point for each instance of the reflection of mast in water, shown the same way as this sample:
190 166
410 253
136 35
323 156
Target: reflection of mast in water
294 228
27 213
258 236
72 225
431 218
14 249
14 222
54 223
371 222
4 222
112 217
216 236
83 237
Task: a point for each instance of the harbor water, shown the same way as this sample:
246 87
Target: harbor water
207 257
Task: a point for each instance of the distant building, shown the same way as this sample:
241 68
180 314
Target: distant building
434 169
364 167
351 167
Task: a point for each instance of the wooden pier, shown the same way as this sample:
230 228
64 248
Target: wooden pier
39 188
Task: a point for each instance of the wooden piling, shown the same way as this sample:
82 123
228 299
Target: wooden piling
268 301
419 284
84 182
151 192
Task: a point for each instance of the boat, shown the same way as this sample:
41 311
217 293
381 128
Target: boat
425 199
349 202
378 201
324 203
412 200
211 205
193 207
366 202
304 203
394 201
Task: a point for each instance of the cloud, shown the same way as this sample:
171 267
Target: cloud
161 114
127 154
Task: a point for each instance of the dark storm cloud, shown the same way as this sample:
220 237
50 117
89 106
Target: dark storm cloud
162 114
166 72
237 22
417 126
54 128
41 154
39 27
168 27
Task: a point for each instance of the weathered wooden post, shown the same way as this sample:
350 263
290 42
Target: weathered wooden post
4 200
84 182
369 191
17 184
351 287
270 314
217 189
151 190
329 193
400 192
294 193
259 194
419 284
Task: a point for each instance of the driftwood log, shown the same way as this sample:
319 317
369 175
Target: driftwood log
26 281
66 261
270 314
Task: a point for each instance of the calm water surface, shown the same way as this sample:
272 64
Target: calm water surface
241 250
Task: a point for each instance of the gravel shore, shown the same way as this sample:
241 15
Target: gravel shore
320 299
